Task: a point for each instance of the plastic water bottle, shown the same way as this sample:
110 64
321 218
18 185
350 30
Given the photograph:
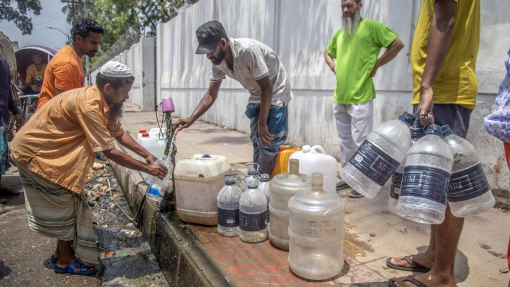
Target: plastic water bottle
228 207
252 212
282 188
426 179
396 180
469 192
264 187
157 186
379 156
316 232
251 169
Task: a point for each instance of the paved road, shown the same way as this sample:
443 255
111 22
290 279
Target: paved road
24 254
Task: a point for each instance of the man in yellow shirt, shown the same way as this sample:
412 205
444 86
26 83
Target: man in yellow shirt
54 152
35 74
443 59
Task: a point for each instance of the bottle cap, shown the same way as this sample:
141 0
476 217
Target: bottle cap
281 149
206 156
307 149
142 131
446 130
145 135
408 118
251 181
264 177
433 129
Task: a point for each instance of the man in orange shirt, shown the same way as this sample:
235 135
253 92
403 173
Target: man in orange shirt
54 152
65 71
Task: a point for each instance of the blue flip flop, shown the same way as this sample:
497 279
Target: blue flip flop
70 269
53 259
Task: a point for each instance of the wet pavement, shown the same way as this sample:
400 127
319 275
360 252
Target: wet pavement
126 258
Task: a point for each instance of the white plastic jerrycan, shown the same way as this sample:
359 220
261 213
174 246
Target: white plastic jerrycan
315 160
197 183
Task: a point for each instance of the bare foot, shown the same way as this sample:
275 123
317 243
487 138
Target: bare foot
427 279
421 258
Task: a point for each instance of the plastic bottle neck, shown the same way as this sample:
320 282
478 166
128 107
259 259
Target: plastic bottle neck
294 169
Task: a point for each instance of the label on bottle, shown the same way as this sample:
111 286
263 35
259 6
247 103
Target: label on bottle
374 163
467 184
425 182
252 221
396 184
228 217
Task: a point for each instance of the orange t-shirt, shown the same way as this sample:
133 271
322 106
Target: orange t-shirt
61 140
64 72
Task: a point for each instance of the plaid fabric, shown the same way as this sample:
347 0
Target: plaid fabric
56 212
4 149
277 124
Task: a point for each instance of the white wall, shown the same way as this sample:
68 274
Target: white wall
299 31
140 59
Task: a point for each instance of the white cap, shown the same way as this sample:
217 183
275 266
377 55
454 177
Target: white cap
115 69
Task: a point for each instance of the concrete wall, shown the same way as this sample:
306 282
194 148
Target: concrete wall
299 31
140 59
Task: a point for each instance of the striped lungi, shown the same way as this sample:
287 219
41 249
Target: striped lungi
4 149
56 212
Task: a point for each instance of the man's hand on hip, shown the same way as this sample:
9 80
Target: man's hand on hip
426 105
265 137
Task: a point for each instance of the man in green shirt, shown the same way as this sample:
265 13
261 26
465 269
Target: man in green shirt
356 47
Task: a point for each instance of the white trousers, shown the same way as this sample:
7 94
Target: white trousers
354 123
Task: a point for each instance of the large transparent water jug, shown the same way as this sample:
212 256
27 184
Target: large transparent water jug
228 207
157 186
469 192
315 160
379 156
282 188
426 179
251 169
264 187
316 232
197 182
396 179
252 212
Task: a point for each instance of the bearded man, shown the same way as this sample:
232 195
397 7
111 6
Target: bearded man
356 47
260 71
54 152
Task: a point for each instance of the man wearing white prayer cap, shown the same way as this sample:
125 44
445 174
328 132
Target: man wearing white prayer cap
54 152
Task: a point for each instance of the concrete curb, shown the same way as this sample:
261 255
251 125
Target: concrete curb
181 256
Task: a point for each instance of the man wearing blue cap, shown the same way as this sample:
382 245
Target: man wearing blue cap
260 71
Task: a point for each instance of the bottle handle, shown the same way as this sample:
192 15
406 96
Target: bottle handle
256 165
319 149
226 177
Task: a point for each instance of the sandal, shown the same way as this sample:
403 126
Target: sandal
409 278
3 200
417 266
71 267
8 191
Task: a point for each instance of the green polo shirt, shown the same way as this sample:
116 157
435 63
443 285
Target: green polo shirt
355 59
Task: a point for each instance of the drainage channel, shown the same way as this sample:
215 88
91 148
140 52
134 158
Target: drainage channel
126 258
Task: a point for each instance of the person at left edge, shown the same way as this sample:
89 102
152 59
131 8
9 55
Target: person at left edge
260 71
54 152
65 72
